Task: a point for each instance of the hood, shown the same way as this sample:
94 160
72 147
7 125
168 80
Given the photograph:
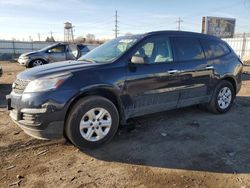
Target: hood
30 53
55 68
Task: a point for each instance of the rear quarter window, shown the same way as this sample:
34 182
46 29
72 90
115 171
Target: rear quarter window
187 49
214 48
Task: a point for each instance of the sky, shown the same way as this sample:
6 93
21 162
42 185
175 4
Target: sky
25 19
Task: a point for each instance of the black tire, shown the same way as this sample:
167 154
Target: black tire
214 106
32 63
76 113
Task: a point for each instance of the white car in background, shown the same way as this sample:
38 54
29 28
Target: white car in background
54 53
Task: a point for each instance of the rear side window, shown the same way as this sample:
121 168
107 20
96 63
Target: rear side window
215 48
186 49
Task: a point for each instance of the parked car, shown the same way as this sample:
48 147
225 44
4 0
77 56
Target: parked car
53 53
86 100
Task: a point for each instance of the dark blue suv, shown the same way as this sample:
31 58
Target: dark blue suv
86 100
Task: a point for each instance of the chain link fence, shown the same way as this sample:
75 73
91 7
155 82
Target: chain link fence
241 45
10 50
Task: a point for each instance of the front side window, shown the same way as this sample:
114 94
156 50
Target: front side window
156 51
187 49
57 49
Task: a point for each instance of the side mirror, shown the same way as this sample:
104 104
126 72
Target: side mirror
137 59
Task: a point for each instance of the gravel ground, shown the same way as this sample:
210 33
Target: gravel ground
180 148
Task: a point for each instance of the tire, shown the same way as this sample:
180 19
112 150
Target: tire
217 101
37 62
85 135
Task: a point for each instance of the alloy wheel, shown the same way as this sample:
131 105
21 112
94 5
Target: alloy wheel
37 63
224 97
95 124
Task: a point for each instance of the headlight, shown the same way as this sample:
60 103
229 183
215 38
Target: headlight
25 57
46 83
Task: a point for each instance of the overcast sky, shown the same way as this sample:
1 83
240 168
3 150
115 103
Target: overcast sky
23 18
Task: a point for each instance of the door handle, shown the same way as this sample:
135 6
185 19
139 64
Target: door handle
173 71
209 67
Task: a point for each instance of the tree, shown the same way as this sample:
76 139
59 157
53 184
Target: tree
80 39
128 34
50 39
90 38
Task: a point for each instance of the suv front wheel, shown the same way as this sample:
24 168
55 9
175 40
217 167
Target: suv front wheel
37 62
91 122
222 98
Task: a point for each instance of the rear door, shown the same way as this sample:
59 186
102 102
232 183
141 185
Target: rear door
194 69
217 56
57 53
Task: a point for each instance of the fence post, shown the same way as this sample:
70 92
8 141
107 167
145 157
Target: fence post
14 50
243 46
32 46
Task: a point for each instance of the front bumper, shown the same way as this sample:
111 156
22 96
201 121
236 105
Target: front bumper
53 131
24 62
39 115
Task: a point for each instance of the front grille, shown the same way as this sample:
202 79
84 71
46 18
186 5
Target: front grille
19 86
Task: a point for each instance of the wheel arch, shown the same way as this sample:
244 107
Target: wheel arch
108 92
232 81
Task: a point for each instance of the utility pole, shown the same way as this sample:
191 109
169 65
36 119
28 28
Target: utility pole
51 33
30 39
116 24
179 23
39 36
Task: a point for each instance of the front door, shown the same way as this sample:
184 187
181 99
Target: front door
152 86
57 53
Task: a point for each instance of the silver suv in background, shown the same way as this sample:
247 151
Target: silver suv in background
54 53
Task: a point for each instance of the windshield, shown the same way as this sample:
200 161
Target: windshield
110 51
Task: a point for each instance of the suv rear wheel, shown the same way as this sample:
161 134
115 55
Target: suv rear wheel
91 122
223 98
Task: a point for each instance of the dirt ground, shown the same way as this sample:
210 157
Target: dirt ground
181 148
